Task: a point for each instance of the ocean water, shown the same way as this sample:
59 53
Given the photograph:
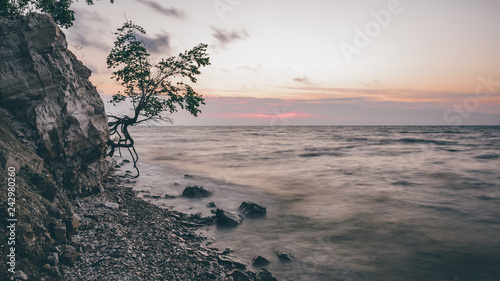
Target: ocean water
350 203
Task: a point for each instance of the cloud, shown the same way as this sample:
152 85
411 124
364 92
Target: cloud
97 35
169 12
159 43
225 37
371 84
304 80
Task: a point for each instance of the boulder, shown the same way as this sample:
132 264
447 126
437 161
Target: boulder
60 233
227 218
196 192
228 260
265 275
260 261
69 255
285 257
238 275
252 210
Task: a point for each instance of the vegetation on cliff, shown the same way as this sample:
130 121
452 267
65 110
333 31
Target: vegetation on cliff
58 9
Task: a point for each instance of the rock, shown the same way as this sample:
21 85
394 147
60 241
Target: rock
188 176
265 275
227 218
252 210
111 205
228 260
72 225
260 261
19 275
69 255
46 266
196 192
60 233
211 205
53 259
156 196
238 275
167 196
285 257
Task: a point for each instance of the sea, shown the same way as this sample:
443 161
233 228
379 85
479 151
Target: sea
348 202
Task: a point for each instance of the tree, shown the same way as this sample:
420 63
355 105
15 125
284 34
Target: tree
149 85
58 9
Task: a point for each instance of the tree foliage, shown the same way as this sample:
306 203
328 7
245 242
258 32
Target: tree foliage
155 88
58 9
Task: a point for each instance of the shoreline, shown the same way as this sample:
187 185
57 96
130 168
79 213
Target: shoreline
124 237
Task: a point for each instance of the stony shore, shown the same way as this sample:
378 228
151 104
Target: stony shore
122 237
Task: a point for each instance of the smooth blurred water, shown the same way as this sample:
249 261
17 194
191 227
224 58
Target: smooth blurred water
350 203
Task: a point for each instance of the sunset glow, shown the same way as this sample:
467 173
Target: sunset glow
380 56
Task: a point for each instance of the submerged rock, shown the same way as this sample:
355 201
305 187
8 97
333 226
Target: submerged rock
196 192
227 218
252 210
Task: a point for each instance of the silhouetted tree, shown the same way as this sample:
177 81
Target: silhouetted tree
148 85
58 9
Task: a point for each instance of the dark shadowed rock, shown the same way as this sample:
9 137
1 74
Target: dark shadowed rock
227 218
265 275
60 233
252 210
228 260
238 275
285 257
196 192
211 205
168 196
260 261
69 255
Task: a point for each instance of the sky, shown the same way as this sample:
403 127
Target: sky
317 62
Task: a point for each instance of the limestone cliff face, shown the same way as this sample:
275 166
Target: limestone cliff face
58 111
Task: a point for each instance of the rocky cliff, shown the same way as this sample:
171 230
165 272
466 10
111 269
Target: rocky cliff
53 133
47 90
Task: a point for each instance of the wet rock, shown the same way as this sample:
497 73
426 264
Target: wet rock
260 261
211 205
252 210
188 176
285 257
19 275
238 275
227 218
167 196
196 192
265 275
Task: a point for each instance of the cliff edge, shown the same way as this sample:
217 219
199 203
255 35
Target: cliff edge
53 135
57 111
